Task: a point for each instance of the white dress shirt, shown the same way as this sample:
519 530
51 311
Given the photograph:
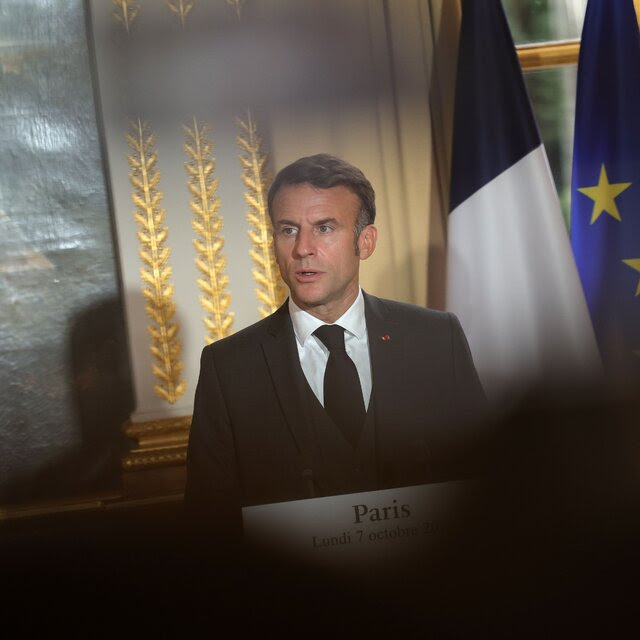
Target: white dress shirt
314 355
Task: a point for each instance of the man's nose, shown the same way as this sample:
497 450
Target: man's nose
304 244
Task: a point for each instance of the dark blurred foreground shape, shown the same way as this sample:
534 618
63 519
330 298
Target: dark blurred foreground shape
549 547
65 386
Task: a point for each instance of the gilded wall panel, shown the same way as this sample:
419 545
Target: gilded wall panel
270 289
180 8
157 290
207 225
125 12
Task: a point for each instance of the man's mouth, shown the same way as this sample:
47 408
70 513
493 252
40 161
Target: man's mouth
307 274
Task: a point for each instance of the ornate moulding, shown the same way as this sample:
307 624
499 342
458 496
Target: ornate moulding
159 443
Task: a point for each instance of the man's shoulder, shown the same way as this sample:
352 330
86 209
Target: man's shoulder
250 336
397 311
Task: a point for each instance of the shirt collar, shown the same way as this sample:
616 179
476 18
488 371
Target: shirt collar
352 320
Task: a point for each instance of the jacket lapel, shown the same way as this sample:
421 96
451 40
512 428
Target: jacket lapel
387 352
281 353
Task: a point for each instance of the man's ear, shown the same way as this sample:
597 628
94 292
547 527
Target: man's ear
367 241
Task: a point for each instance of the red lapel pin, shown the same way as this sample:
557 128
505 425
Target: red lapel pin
386 337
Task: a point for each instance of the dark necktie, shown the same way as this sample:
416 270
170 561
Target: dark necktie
342 392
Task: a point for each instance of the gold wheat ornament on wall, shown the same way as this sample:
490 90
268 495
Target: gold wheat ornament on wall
156 272
207 224
125 12
180 8
270 291
237 5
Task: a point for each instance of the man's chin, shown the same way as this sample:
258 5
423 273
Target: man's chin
307 299
307 304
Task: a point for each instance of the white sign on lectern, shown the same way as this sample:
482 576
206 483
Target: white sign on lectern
380 527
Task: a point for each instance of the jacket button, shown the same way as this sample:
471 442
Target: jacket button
421 451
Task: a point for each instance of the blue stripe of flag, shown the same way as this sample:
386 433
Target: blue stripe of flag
494 126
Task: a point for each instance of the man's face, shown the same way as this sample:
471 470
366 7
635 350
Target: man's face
313 232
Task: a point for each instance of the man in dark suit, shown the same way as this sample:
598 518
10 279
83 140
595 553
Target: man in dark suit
337 391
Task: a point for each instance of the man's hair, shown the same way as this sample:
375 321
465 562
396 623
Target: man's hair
324 171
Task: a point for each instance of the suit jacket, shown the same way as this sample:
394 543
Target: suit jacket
251 442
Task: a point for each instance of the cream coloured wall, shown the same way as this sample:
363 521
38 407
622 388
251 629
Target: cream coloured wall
367 80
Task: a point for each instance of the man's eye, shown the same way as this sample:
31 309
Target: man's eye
324 228
288 231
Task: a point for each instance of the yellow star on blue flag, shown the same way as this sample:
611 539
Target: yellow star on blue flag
604 196
634 263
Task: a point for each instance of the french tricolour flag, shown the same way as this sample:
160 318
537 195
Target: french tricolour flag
511 276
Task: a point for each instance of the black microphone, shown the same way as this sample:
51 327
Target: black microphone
307 474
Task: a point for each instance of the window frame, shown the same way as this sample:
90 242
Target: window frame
548 54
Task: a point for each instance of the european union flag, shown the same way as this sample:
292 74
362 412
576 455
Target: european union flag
605 211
